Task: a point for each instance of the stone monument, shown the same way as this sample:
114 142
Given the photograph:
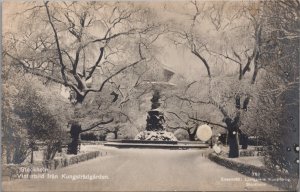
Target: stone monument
155 122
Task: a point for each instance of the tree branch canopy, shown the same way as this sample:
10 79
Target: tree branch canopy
57 44
67 48
92 70
208 122
118 72
195 52
97 124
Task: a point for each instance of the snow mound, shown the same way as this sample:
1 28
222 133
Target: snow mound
156 136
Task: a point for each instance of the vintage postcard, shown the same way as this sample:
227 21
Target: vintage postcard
150 95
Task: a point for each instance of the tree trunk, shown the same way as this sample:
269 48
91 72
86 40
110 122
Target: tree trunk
31 158
233 130
53 154
116 135
191 137
75 133
73 146
75 126
8 154
55 148
9 146
233 145
192 134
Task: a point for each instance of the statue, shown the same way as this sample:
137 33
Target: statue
155 118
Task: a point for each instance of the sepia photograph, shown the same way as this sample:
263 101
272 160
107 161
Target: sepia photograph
164 95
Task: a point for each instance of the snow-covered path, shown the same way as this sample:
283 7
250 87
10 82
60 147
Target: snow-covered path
143 170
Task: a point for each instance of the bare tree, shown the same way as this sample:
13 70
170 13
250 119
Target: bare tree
62 63
81 45
233 101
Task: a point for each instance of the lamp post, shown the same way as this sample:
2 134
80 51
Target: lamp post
211 139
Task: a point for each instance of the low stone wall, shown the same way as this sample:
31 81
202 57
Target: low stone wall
64 162
11 171
274 178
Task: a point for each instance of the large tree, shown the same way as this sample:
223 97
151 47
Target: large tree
83 46
210 36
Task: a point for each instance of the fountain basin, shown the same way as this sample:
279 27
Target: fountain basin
123 143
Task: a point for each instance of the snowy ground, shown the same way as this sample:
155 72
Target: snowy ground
250 160
142 170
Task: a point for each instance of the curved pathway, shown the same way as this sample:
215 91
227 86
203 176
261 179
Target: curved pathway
143 170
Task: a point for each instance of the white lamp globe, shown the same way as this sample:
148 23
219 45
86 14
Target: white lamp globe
204 132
